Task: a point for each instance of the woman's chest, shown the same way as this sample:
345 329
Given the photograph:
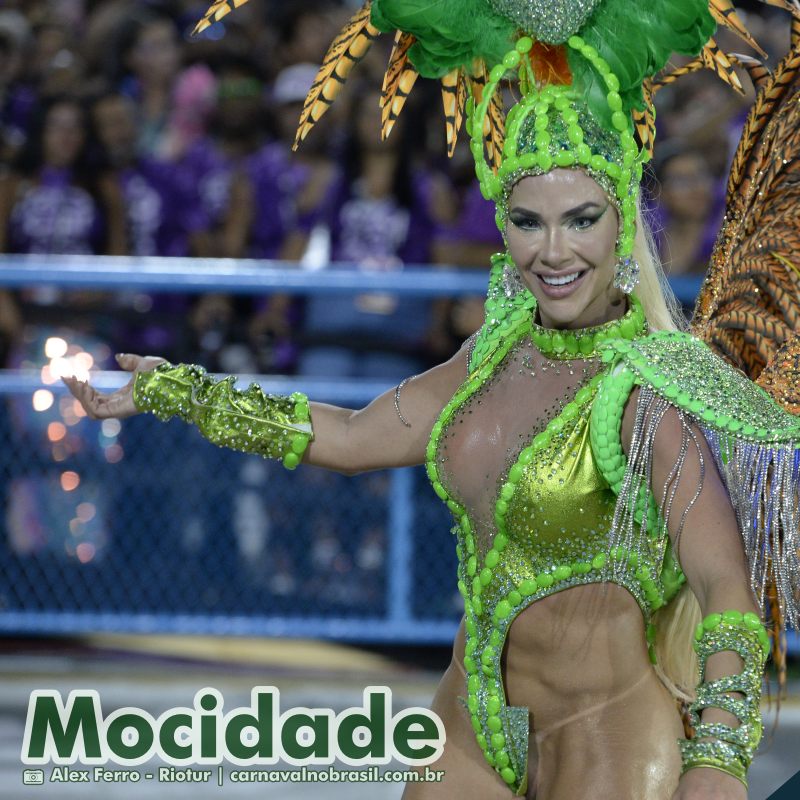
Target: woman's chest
516 452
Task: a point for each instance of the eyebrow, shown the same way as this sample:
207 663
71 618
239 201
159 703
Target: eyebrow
571 213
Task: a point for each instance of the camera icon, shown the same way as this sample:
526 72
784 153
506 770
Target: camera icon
33 777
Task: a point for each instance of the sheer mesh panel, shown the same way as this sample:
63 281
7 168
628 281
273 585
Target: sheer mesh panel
487 433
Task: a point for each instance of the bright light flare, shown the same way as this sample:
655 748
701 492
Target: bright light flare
60 368
111 428
76 364
42 400
82 362
55 347
56 431
67 408
70 481
114 454
85 552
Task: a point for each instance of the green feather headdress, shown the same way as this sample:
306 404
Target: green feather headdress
460 41
635 39
585 69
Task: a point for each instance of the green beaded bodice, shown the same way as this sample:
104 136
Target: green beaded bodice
540 523
528 457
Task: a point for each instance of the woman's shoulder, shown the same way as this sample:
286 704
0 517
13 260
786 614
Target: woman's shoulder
683 370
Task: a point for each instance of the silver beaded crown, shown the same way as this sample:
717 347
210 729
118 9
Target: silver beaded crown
551 21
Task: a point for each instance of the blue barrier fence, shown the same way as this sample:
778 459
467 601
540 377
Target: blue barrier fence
147 527
251 277
181 536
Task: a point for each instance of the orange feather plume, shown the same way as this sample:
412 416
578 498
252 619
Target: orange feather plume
549 62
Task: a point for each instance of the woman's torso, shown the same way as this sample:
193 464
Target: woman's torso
577 658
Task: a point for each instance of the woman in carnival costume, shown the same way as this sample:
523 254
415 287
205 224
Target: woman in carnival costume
582 439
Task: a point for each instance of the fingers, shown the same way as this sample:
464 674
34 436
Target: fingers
87 396
128 361
134 363
119 404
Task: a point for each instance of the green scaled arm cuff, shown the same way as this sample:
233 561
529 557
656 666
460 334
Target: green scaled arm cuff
714 744
248 420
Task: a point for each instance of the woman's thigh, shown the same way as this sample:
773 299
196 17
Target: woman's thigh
467 776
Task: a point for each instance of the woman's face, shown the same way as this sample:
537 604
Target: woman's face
560 225
115 121
687 187
64 135
156 57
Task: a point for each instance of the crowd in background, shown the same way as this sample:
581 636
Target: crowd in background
122 135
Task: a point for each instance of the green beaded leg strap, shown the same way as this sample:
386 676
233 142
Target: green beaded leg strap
717 745
250 421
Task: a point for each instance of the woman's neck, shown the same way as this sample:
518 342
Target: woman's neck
589 319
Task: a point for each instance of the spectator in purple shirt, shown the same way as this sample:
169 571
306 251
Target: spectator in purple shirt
173 103
17 96
307 181
54 201
380 219
245 188
160 217
688 211
468 240
237 174
160 212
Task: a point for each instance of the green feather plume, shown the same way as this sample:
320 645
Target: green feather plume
449 33
635 37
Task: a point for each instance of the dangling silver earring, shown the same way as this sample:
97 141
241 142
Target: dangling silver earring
512 283
626 275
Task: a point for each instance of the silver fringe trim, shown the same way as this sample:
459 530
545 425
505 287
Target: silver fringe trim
762 480
764 485
636 493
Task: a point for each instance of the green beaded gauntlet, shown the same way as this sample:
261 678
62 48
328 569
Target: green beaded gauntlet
728 749
251 421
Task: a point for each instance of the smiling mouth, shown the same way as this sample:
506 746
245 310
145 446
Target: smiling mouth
566 280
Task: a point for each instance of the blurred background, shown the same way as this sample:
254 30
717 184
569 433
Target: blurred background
137 558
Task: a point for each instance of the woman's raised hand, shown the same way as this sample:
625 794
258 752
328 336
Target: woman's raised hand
119 404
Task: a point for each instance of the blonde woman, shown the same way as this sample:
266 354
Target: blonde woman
622 495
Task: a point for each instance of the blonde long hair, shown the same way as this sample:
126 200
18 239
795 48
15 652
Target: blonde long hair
675 623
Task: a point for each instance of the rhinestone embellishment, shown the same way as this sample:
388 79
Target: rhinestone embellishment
551 21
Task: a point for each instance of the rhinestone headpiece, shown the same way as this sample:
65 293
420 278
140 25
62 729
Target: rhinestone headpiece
552 21
553 128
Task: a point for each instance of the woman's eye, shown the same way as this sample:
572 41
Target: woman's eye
524 223
582 223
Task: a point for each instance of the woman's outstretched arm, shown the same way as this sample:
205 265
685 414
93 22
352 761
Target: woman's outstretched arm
344 440
375 437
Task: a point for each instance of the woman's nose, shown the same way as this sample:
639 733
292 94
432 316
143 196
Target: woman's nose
556 250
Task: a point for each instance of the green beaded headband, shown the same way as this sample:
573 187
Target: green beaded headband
552 127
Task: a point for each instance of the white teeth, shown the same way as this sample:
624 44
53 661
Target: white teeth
561 281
